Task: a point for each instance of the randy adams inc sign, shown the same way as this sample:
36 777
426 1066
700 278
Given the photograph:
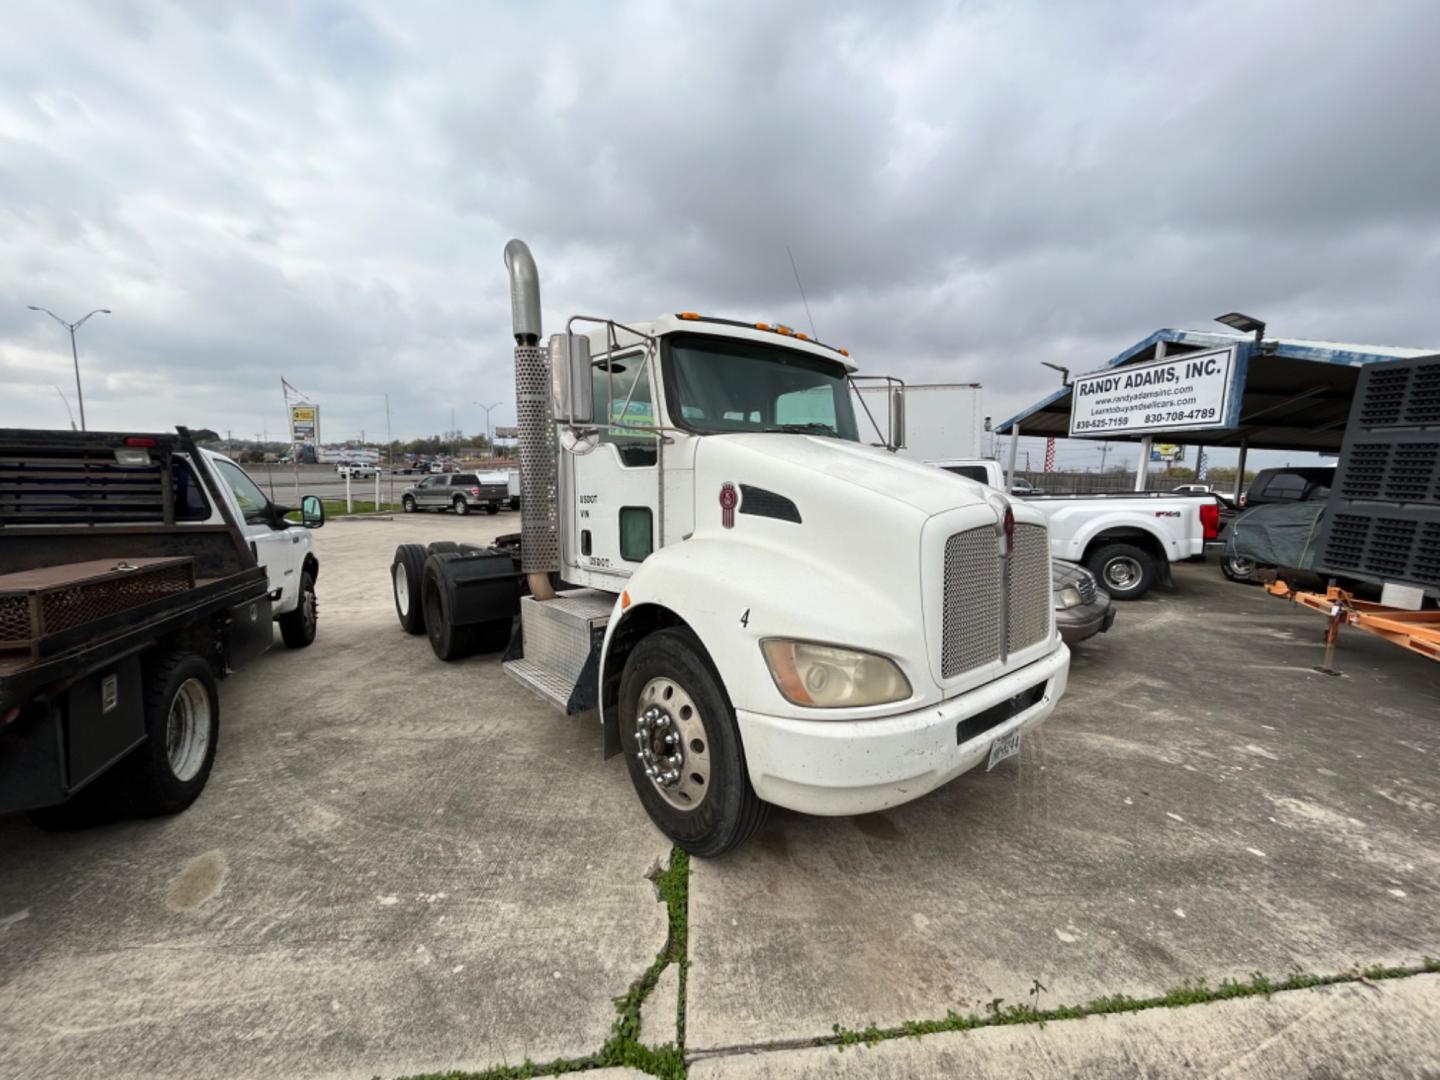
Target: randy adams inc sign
1194 392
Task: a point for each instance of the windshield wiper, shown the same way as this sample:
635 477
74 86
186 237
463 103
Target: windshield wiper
803 429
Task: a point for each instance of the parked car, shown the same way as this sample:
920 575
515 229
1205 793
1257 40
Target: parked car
1193 489
1288 484
461 492
357 470
1082 608
1272 487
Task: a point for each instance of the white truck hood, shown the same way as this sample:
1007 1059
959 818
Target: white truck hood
774 458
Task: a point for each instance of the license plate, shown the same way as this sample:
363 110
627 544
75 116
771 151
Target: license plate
1000 749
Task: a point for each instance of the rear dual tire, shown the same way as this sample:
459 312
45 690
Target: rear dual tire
1124 571
407 576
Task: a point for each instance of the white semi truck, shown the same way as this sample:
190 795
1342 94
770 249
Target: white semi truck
758 607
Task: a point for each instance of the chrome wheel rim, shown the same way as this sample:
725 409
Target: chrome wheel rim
672 745
1122 573
187 730
1242 567
402 589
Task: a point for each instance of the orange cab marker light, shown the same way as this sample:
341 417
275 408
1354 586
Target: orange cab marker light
801 336
624 600
844 352
784 330
762 326
689 315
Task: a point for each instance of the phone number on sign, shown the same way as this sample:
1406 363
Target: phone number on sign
1102 425
1176 416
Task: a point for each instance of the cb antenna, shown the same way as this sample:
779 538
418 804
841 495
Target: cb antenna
795 268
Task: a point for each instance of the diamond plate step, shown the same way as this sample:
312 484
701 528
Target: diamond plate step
540 681
559 635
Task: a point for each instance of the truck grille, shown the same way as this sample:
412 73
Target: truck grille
971 623
1029 569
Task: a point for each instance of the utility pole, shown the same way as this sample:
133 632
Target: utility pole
1104 450
74 352
389 450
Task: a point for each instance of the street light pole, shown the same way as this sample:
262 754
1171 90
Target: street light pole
489 438
74 352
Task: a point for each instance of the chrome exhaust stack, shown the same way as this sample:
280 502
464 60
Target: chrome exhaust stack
539 497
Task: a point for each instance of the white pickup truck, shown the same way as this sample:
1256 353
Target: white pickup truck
1127 540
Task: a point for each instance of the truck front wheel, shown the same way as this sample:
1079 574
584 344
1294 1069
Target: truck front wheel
298 627
682 746
1125 571
167 772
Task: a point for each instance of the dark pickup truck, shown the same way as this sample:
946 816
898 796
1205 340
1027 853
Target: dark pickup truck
119 612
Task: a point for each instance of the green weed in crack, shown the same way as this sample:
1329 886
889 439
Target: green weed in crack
1197 992
623 1047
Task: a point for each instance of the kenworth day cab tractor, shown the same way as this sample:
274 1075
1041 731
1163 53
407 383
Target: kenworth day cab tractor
759 608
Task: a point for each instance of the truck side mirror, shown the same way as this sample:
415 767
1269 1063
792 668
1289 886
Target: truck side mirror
571 386
312 512
897 417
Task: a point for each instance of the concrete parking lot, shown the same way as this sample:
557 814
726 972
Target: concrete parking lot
402 866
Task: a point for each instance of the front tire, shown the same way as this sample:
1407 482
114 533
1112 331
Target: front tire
1124 571
408 504
1238 568
461 506
682 746
298 627
167 772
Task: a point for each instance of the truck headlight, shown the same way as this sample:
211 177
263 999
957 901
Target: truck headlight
1069 597
824 677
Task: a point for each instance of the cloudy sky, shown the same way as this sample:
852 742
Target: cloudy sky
322 190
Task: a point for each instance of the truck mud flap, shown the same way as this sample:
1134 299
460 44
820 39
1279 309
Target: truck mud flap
248 632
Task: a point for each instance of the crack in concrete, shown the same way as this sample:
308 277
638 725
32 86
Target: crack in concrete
1184 996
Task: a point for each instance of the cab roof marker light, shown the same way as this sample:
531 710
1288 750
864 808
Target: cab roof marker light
763 326
689 316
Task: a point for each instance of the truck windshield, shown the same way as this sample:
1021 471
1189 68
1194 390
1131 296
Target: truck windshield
720 385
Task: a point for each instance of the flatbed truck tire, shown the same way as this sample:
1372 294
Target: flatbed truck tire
1124 571
297 628
167 772
727 812
407 578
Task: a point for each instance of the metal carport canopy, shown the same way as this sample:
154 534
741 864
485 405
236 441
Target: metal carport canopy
1295 394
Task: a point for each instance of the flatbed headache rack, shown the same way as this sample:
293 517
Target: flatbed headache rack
1418 631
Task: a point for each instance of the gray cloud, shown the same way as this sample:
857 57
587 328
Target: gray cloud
322 191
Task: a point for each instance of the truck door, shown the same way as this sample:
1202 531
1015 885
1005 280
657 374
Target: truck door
275 549
615 493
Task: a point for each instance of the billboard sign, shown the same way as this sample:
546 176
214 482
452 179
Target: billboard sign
304 426
1193 392
507 433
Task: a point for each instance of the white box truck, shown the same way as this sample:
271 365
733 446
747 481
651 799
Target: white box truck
758 607
942 420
